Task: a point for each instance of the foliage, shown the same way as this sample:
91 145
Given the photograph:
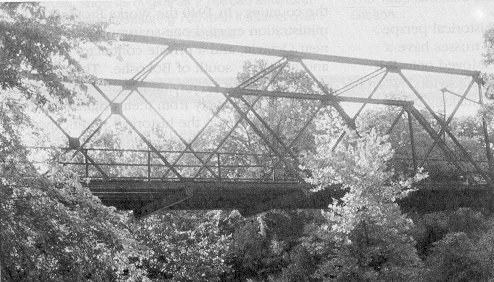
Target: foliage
488 59
488 55
52 229
267 246
370 234
40 52
188 246
432 227
453 260
301 266
285 118
466 129
455 245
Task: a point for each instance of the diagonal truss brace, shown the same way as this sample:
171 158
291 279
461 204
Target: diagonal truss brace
187 145
256 77
374 90
350 123
105 176
148 143
448 121
246 118
450 134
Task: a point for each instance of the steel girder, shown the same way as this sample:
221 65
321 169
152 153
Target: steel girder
289 54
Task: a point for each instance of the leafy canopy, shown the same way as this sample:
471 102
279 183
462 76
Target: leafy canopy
51 228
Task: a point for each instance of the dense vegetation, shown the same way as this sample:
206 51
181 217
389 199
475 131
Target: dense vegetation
53 229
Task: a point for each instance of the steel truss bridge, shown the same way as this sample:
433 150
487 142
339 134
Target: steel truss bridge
214 178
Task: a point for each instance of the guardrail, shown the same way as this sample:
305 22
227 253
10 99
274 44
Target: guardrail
228 166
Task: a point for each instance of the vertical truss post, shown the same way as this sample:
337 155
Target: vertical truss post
86 165
448 121
149 165
451 135
485 131
219 166
412 141
490 199
444 110
430 131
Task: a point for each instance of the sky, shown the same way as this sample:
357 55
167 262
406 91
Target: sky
439 32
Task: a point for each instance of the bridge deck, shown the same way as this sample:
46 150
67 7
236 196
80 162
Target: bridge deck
145 197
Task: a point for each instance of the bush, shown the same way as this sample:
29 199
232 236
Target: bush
453 259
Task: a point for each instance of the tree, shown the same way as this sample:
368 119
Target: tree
188 246
40 54
367 235
455 245
466 129
51 228
265 245
284 116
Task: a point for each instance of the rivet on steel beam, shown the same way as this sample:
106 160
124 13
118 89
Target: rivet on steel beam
74 143
116 109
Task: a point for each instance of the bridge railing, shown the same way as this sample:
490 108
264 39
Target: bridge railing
141 164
